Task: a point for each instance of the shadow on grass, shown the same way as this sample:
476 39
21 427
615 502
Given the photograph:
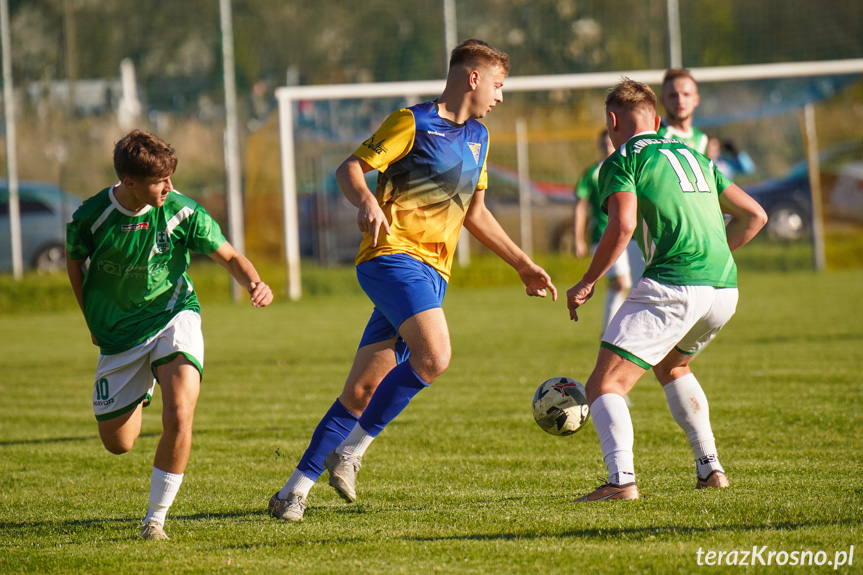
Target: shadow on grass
196 432
72 525
638 532
803 338
48 440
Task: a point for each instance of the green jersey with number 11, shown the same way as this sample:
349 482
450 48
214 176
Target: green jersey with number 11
681 231
136 281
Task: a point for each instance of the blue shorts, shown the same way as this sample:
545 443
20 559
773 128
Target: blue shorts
400 287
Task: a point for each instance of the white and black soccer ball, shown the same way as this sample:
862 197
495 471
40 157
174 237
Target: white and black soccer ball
560 406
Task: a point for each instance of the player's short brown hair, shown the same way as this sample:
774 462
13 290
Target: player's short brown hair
631 95
144 155
674 73
475 52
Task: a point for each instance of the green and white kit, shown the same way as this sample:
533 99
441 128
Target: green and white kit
688 289
136 282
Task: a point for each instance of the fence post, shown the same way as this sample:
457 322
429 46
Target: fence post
812 160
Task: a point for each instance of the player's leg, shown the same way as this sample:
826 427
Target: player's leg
684 394
647 326
427 336
379 351
180 383
619 284
123 386
618 287
689 407
119 433
177 362
371 363
409 294
613 378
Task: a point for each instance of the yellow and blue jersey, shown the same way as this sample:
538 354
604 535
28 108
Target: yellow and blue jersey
429 170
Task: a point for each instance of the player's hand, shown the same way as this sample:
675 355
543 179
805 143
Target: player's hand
577 296
371 220
537 282
94 340
260 294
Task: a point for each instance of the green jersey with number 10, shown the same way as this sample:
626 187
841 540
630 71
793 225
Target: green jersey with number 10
681 231
136 281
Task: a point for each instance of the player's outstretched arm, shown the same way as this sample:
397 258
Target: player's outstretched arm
747 216
370 217
244 272
480 222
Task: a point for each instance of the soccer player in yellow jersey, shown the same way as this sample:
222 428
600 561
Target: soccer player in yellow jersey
432 163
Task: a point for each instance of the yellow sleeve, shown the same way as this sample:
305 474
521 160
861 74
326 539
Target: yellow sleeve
391 142
482 184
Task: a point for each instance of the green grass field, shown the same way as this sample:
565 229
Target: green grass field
463 481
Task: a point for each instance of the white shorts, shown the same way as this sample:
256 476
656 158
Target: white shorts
656 318
125 379
630 263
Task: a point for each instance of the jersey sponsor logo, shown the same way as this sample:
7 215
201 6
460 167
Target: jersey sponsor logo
162 242
101 403
433 133
376 147
475 148
135 227
130 270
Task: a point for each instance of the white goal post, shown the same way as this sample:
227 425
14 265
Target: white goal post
289 95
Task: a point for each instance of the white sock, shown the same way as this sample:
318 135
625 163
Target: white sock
163 489
297 483
688 406
613 300
616 436
355 443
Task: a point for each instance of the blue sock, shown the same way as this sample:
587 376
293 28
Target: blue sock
332 429
391 397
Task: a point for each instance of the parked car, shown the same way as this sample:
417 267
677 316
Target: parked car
788 203
44 209
788 199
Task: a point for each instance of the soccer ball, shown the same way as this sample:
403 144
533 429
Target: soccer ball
560 406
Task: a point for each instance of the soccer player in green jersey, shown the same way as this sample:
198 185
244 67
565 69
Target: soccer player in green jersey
680 98
141 308
673 199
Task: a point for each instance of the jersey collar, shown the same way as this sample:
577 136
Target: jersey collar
120 207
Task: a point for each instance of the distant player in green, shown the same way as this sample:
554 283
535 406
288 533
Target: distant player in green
629 265
141 308
673 199
680 98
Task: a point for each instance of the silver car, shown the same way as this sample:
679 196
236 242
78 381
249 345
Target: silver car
45 209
